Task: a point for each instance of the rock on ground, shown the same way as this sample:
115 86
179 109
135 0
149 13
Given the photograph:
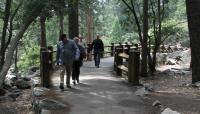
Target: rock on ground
2 92
169 111
21 84
50 104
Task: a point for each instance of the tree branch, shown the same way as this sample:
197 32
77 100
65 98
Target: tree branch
136 18
11 24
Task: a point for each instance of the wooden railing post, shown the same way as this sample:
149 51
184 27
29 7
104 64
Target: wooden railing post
115 58
137 46
119 61
44 68
50 48
127 48
120 45
133 67
112 49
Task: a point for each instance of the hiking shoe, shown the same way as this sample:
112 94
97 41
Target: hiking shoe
74 83
77 81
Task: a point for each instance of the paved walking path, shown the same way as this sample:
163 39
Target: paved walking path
101 92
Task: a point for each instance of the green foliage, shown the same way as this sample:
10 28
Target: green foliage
130 37
52 31
33 6
116 32
111 19
174 31
30 58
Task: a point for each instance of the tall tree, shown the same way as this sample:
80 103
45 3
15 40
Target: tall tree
145 38
157 33
73 18
143 35
193 14
43 42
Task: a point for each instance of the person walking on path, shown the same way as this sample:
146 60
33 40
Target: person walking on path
78 63
67 52
98 46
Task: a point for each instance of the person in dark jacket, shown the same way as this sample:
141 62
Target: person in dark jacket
98 47
67 52
78 63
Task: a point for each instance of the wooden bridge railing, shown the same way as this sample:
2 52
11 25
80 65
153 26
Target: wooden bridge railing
128 52
108 51
132 57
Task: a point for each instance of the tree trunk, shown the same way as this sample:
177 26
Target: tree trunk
43 42
61 23
89 25
16 58
157 35
73 18
3 38
9 55
193 15
144 40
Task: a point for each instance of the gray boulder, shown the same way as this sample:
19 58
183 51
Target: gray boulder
50 104
26 79
14 96
2 92
156 103
142 92
149 88
21 84
10 80
39 91
161 58
171 62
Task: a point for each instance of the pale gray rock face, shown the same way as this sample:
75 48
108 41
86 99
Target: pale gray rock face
169 111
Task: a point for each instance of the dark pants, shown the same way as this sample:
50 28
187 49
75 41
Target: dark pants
97 56
76 70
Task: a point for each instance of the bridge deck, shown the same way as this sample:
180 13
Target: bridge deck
101 92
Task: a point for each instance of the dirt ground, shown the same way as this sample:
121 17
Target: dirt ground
172 87
22 105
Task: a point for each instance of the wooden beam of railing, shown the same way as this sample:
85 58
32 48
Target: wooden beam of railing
123 55
132 69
